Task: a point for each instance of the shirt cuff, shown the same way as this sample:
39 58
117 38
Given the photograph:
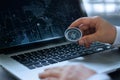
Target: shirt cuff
101 76
117 39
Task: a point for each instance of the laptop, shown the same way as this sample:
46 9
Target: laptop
32 39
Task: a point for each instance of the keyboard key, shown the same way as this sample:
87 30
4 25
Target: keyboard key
38 64
31 67
51 61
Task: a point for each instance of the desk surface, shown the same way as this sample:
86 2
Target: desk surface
5 76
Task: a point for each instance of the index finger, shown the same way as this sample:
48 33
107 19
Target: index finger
82 21
49 73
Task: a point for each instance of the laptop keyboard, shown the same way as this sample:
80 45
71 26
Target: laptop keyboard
57 54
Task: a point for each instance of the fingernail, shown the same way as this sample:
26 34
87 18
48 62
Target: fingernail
81 42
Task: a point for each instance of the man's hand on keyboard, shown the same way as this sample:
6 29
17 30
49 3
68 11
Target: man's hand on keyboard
95 29
74 72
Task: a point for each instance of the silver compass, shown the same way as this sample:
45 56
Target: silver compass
73 34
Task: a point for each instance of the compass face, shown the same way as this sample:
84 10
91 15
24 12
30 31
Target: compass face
73 34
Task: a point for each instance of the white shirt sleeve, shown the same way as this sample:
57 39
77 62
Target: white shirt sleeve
117 39
101 76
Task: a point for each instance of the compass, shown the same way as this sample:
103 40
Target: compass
73 34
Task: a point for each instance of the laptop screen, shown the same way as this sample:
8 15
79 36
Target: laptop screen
30 21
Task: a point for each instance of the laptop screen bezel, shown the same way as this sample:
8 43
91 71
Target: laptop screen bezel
24 47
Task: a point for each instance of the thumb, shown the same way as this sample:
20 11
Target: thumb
88 39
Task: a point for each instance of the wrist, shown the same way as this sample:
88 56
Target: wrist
113 35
